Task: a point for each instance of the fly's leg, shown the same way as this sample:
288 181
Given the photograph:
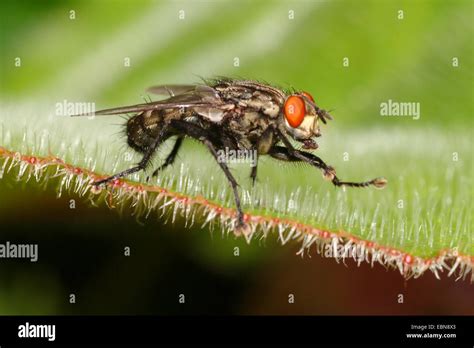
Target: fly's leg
143 162
254 165
284 154
171 157
253 173
263 146
231 179
289 153
208 139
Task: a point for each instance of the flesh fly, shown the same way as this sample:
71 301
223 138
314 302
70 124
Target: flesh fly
228 114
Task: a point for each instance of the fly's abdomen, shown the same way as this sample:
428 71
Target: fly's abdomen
141 130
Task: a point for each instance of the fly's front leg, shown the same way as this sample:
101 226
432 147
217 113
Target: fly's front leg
289 153
143 162
285 154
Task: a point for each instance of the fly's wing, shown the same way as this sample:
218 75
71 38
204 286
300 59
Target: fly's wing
171 90
200 96
202 91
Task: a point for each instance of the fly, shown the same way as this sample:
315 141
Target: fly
228 114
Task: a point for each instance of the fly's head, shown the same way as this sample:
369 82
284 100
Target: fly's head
301 117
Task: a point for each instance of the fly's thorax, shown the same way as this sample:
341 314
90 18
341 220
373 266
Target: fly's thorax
271 109
252 96
267 106
246 127
248 123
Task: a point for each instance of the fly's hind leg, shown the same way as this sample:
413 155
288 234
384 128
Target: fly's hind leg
143 162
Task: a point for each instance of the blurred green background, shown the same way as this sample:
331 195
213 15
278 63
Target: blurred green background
290 43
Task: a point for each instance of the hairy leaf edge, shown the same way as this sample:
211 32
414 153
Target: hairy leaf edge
144 199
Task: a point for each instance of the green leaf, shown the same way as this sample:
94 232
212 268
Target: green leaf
421 221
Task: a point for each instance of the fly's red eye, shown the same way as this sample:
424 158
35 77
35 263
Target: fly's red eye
309 96
295 110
